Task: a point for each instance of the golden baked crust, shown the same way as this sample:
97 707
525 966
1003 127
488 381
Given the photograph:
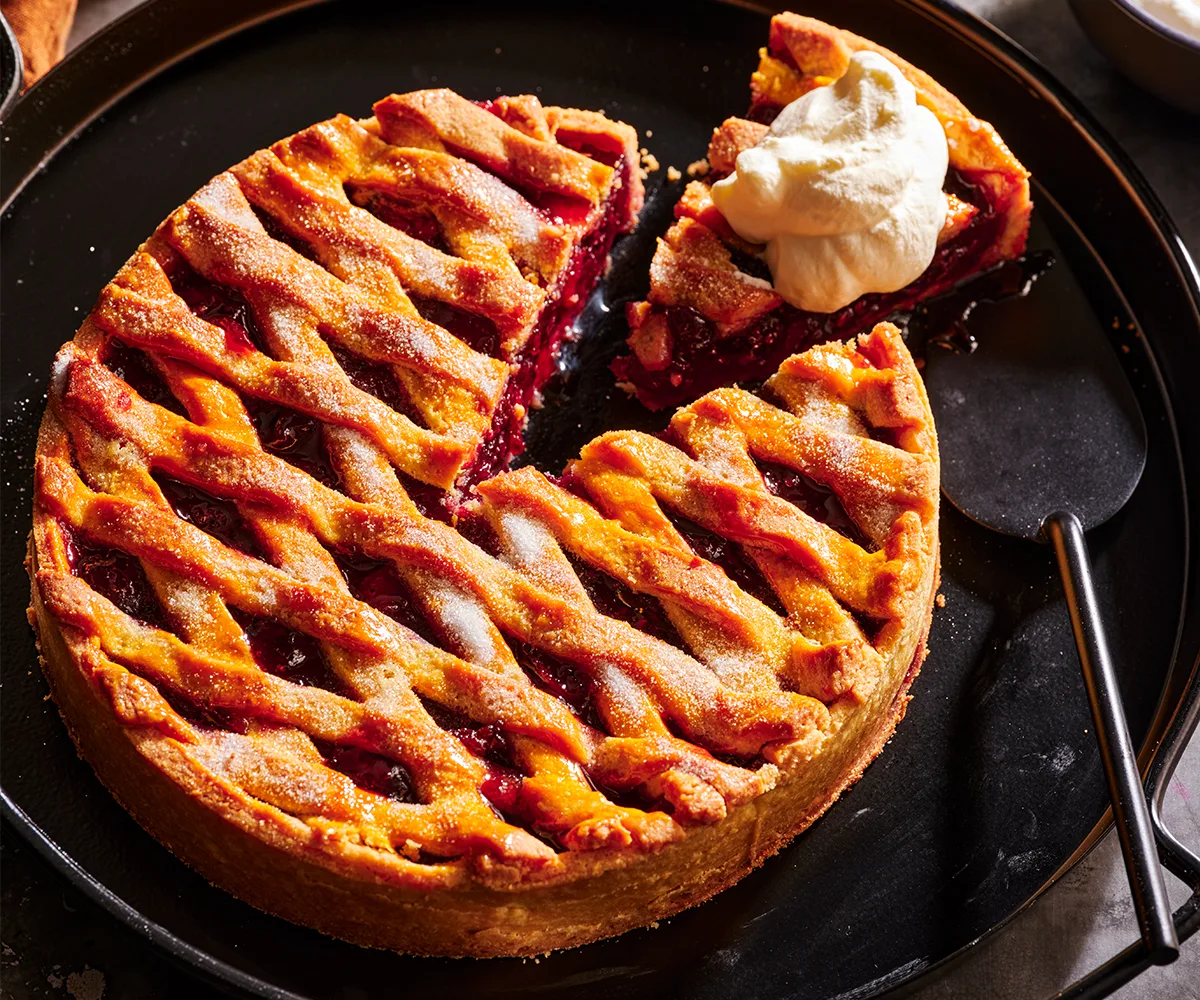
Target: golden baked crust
803 701
541 713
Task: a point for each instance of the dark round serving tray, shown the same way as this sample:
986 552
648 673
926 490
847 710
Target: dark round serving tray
992 786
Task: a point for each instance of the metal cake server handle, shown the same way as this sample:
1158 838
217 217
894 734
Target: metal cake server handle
1131 813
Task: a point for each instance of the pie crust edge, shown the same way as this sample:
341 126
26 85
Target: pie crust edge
332 887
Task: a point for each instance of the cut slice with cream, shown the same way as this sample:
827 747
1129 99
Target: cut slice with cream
845 189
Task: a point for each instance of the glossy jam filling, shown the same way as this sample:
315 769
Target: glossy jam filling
284 432
114 574
286 653
378 380
940 322
551 673
815 499
538 360
611 597
478 332
702 359
221 306
136 369
502 784
730 556
376 582
369 771
295 437
561 678
430 500
401 213
220 518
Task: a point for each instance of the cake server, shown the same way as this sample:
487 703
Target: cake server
1042 438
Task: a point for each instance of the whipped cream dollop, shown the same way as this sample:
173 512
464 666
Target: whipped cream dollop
845 189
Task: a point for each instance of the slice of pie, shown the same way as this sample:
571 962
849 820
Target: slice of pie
590 701
713 317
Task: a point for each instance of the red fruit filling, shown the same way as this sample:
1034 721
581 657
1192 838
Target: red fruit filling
379 381
138 372
562 679
816 499
286 653
702 359
295 437
730 557
221 306
220 518
376 582
502 785
538 359
611 597
401 213
370 771
114 574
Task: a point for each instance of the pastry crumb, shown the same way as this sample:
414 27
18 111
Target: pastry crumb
940 600
86 985
649 160
698 168
673 174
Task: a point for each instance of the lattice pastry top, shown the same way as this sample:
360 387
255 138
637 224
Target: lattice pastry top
392 277
497 737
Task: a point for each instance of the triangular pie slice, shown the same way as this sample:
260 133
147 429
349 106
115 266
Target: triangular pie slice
712 315
453 721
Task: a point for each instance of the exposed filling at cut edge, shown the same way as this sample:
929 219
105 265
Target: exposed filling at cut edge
538 359
702 359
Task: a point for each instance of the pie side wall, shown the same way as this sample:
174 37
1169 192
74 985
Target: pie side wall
280 865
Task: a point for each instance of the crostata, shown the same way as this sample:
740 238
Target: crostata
320 642
715 313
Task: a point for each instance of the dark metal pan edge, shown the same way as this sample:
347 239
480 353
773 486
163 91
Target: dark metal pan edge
195 960
57 98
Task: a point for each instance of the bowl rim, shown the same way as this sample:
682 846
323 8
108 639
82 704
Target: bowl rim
1158 27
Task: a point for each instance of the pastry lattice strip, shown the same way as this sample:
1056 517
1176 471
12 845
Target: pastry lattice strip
551 743
819 576
347 288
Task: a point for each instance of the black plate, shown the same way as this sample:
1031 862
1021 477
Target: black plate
993 783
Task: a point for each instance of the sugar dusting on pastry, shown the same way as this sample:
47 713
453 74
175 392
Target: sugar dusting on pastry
465 619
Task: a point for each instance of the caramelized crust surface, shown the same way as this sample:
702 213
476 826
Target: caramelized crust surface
590 702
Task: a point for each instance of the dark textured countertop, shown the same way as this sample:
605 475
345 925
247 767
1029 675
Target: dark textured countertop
57 944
